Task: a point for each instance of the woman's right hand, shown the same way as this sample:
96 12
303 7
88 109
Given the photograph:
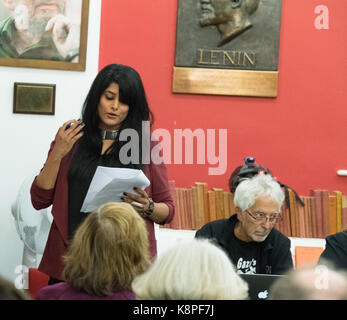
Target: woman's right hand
67 136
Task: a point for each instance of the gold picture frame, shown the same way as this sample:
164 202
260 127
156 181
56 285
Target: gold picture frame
75 64
34 98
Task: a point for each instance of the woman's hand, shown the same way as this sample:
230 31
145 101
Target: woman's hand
67 136
65 34
139 201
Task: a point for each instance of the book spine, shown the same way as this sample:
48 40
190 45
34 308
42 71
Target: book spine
189 208
231 204
317 214
226 204
344 213
292 213
325 213
195 208
212 204
301 219
332 221
201 207
338 210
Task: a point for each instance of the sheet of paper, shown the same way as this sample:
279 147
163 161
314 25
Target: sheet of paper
109 184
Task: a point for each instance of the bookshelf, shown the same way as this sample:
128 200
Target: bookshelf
323 213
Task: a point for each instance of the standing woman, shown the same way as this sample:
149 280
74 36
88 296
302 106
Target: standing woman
116 101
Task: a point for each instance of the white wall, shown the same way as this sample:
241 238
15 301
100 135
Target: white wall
25 139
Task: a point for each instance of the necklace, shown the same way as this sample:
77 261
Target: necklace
109 135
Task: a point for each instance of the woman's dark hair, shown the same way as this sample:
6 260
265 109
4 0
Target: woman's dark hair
132 93
249 169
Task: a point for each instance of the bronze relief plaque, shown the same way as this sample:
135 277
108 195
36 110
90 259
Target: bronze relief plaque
232 44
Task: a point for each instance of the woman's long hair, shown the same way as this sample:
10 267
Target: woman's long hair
132 93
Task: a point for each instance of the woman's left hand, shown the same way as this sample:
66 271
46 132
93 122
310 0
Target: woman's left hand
139 201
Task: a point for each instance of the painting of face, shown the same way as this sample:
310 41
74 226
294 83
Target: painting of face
112 112
45 34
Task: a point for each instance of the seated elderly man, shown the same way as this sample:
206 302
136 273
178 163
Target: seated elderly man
249 237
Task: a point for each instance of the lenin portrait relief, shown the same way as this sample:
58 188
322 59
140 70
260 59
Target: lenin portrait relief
231 17
228 34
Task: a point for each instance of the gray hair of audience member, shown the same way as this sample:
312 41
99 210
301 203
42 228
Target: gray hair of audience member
311 282
191 270
9 292
258 186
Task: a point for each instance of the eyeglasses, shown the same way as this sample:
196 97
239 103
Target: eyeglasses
261 217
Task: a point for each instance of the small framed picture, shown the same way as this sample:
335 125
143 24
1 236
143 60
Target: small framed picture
34 98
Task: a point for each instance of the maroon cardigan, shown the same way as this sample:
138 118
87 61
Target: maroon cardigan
57 242
63 291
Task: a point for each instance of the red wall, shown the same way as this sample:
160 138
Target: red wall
300 136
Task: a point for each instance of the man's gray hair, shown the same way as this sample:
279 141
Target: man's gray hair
258 186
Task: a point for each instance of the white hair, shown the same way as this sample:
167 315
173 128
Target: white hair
258 186
191 270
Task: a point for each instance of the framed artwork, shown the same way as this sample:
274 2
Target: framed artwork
34 98
44 35
226 47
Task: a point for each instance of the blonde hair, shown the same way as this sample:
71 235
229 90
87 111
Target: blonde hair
191 270
108 250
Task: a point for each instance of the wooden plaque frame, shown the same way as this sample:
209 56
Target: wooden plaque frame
225 82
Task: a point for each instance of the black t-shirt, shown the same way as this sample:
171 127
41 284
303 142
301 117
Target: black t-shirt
245 255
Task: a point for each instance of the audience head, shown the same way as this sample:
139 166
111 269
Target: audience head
9 292
318 282
248 170
108 250
191 270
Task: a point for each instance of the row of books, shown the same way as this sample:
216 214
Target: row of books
322 214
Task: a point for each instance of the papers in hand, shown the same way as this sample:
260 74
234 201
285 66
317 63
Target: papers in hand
109 184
